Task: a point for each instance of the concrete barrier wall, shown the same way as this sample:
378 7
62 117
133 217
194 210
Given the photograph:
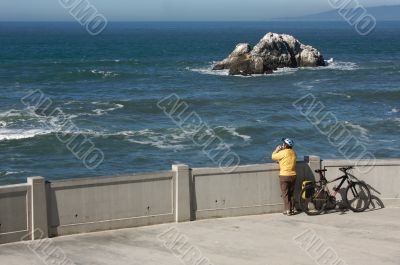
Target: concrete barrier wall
93 204
252 189
14 212
38 209
383 177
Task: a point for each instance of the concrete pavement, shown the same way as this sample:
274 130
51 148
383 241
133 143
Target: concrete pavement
337 238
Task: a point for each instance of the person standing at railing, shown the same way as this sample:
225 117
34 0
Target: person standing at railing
286 156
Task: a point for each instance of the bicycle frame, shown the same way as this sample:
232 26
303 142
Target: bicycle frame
336 190
324 183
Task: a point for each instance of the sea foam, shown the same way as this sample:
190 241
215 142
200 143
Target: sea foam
331 64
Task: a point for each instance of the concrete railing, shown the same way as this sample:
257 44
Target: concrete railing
252 189
23 211
93 204
39 209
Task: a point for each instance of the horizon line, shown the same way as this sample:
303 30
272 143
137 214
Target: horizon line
189 21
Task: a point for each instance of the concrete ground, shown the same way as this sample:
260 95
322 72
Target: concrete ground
337 238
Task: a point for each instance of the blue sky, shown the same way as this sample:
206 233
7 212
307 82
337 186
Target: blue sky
172 10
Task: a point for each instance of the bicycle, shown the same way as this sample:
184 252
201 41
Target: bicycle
315 196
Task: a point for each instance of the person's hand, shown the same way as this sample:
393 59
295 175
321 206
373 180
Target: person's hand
278 148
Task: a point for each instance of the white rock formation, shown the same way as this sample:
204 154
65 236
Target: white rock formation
272 52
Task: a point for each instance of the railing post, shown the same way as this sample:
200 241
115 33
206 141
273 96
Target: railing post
38 226
182 192
314 162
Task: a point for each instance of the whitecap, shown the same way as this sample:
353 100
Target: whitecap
303 85
339 94
159 144
234 133
209 71
110 60
101 73
17 134
99 112
363 132
331 64
386 140
7 173
339 65
284 71
104 74
11 113
174 139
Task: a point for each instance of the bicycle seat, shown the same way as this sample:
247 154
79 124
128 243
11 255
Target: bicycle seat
344 169
320 170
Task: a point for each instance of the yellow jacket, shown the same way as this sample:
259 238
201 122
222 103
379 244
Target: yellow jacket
287 162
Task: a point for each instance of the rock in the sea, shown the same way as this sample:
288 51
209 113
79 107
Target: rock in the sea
272 52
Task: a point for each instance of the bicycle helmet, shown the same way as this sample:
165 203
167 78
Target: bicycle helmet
288 141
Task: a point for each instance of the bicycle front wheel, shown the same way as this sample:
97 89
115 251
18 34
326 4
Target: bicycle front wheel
358 197
312 200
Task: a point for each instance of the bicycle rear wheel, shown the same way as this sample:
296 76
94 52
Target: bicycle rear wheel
312 200
358 197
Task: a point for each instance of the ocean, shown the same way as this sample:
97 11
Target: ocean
109 86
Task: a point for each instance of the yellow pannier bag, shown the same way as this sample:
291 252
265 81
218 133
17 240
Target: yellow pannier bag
309 191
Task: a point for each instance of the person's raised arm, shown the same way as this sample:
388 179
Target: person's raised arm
277 154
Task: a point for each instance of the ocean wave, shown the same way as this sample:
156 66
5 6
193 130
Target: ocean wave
284 71
233 132
178 139
100 112
340 65
95 73
107 108
110 60
357 129
209 71
162 138
103 74
303 84
339 94
18 134
175 139
10 113
116 61
25 123
8 173
331 64
14 117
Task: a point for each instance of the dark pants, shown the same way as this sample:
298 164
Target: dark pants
287 188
